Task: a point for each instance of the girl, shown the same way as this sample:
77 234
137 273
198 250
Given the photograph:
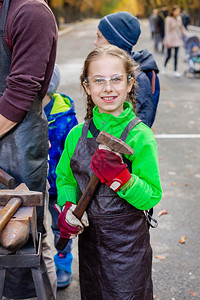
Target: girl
115 255
174 31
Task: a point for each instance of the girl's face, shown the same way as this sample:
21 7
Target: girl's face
100 39
108 84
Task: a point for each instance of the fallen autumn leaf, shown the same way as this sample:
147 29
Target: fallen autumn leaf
160 257
182 239
193 294
163 212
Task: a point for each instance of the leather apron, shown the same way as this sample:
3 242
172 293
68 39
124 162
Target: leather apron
115 256
23 154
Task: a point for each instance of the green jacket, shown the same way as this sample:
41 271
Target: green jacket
146 190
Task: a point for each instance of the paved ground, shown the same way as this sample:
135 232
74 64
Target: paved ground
176 269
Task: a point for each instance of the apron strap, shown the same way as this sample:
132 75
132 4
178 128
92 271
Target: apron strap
151 222
123 137
85 128
4 12
128 128
94 131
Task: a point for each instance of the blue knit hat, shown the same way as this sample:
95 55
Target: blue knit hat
120 29
55 80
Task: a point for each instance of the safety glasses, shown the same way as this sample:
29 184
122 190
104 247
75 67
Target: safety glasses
116 82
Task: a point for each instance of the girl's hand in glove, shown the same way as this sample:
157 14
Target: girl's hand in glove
110 169
68 224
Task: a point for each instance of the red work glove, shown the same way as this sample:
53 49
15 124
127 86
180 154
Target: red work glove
68 224
110 169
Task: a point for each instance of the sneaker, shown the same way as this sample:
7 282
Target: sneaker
163 71
177 74
63 279
63 269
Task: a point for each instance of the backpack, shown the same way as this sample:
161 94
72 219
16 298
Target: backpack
155 87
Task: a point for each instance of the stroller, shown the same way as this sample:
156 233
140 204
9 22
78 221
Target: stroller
192 48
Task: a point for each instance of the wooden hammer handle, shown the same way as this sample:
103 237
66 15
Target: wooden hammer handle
6 179
81 206
8 211
86 197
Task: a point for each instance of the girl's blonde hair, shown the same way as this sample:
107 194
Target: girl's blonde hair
129 65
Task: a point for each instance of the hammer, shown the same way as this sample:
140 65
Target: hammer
115 145
13 199
6 179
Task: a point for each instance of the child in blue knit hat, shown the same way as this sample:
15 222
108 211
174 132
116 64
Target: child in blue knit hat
120 29
123 30
61 115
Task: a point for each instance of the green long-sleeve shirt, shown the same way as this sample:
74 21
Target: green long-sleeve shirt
146 190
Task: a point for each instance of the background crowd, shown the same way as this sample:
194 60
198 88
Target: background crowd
169 31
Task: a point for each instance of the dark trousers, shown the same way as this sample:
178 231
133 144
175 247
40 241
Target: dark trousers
169 56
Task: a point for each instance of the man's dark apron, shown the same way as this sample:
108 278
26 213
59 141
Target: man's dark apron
114 251
23 154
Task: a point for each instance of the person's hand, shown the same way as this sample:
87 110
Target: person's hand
5 125
110 169
68 224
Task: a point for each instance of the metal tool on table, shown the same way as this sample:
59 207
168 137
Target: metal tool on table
17 210
19 248
116 145
7 180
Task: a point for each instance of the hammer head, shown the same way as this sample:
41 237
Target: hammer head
114 143
29 198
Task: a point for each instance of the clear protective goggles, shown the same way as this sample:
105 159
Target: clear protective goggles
116 82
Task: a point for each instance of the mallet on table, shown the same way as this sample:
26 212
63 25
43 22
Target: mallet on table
14 231
115 145
13 199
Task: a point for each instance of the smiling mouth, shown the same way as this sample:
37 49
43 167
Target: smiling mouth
109 99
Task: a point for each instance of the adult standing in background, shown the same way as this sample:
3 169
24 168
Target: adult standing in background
158 33
28 34
163 12
152 18
174 30
185 18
